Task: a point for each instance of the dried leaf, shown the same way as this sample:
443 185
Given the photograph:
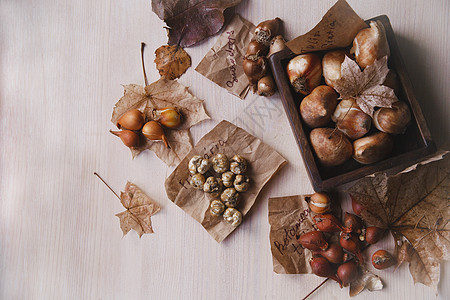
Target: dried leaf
139 207
367 280
159 94
365 86
172 61
191 21
415 205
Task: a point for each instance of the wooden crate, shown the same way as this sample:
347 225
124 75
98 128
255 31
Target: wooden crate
409 147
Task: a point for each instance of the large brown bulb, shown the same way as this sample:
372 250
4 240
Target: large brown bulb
392 120
305 72
373 148
131 120
331 146
316 108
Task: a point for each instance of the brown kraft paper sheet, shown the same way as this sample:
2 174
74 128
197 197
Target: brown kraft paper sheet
223 63
337 29
264 163
289 218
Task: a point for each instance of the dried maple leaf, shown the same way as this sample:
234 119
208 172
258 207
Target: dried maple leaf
414 205
139 207
159 94
191 21
172 61
365 86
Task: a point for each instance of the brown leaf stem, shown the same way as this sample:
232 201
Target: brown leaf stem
143 64
96 174
335 128
316 288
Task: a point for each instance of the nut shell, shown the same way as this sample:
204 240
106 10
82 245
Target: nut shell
198 164
392 120
331 146
372 148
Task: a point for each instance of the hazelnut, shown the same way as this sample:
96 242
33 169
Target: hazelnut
331 146
351 120
230 197
232 216
198 164
216 208
213 186
372 148
317 107
220 163
392 120
197 181
238 165
228 178
241 183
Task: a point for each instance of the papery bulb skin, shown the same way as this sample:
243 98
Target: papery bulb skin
352 244
316 108
319 202
351 120
322 267
331 66
370 44
392 120
266 86
334 254
331 146
154 131
313 240
382 259
374 234
131 120
372 148
266 30
305 72
327 223
169 117
256 48
255 67
129 138
348 272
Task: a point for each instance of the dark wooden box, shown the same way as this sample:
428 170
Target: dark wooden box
409 148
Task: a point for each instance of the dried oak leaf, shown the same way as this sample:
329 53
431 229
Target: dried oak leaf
172 61
159 94
365 86
190 21
139 207
414 205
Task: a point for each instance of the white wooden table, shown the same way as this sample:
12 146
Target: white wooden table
62 66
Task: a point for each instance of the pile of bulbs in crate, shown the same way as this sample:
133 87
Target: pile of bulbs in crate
337 246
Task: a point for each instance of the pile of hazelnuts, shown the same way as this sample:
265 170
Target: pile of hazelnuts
336 246
340 130
267 41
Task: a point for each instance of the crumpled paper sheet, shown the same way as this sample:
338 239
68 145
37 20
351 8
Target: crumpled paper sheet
289 218
337 29
223 63
226 138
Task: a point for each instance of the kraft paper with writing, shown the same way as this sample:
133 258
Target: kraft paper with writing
337 29
289 217
264 163
223 63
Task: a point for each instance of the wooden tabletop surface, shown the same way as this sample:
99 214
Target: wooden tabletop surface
63 64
